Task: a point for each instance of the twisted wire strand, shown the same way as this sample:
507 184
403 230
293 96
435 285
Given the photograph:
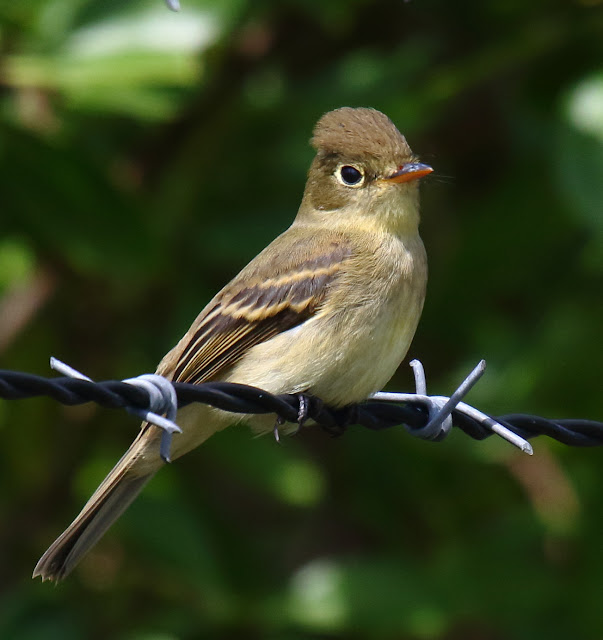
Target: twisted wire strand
238 398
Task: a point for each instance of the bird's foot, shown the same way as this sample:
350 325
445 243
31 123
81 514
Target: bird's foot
344 418
308 406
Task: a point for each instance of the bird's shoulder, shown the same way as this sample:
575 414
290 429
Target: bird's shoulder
278 290
299 251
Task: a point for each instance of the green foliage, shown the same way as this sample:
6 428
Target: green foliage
145 157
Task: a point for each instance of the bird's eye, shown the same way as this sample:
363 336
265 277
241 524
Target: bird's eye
350 176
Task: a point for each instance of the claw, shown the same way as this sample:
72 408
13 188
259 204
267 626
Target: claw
277 423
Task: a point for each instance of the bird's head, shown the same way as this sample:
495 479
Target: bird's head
363 167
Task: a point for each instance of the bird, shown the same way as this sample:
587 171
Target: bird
329 309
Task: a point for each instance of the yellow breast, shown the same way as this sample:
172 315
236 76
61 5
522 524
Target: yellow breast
353 346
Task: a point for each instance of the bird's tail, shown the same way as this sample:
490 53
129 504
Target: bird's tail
136 467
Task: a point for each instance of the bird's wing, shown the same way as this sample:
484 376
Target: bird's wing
271 295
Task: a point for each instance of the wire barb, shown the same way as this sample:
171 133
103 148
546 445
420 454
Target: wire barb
497 428
440 408
66 370
162 400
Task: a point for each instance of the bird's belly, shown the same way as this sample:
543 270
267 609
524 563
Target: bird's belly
341 359
369 356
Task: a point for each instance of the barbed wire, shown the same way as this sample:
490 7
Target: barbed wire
156 400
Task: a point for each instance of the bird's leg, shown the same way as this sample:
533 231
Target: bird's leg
303 413
304 408
307 406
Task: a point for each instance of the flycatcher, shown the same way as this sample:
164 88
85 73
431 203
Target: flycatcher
329 308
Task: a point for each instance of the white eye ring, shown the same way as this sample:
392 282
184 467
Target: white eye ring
350 175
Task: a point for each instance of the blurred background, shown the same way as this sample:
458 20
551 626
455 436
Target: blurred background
145 157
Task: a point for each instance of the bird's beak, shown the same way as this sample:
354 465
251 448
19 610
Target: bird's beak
409 171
